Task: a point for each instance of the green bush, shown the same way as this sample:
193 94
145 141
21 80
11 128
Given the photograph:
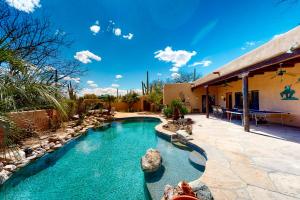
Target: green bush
184 110
167 112
70 107
178 109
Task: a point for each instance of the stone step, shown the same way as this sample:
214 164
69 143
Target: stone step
197 160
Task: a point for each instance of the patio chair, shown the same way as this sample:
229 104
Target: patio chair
215 111
220 112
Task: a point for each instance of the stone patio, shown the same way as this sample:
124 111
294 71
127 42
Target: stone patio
263 164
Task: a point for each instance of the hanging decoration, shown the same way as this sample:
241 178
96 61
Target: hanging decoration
288 93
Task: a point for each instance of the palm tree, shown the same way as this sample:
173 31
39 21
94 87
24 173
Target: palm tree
22 88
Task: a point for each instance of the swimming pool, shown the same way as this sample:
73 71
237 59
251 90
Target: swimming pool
103 164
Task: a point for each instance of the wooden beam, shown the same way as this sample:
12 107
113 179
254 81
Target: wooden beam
207 102
245 102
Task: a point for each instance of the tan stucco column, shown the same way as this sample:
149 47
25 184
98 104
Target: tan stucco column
245 102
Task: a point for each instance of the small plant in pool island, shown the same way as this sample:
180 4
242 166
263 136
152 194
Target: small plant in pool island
176 110
131 98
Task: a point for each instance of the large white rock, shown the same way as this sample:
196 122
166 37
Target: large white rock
10 168
151 162
4 175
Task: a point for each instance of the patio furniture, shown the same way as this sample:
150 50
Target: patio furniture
262 115
221 112
236 113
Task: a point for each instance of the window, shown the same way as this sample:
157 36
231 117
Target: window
254 100
238 100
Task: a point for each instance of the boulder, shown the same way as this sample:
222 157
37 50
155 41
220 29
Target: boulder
151 162
70 130
201 190
31 158
28 151
57 146
53 139
10 168
4 175
23 163
68 137
35 146
1 166
170 192
51 145
20 155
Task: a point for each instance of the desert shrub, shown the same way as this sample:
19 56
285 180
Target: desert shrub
167 112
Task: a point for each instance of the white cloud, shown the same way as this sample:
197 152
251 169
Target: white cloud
204 63
109 90
178 58
249 44
68 78
93 85
27 6
95 28
118 76
117 31
86 56
90 82
115 85
174 69
76 80
159 74
175 75
129 36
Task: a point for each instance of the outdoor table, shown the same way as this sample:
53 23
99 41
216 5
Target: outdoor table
230 113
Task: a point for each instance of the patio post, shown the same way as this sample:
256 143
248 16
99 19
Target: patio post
245 102
207 101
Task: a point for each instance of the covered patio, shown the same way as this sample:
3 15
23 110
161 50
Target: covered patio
261 85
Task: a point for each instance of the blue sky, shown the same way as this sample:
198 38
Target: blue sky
159 35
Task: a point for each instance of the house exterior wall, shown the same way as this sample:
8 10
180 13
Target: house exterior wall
269 93
173 91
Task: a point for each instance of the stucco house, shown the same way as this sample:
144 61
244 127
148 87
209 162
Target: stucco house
266 79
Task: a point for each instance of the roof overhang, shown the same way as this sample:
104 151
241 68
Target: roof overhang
283 49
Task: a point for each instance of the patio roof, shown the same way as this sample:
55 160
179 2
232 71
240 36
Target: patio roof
283 48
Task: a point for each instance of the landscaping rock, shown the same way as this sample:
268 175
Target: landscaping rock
151 162
170 192
20 155
1 166
201 190
10 168
33 157
53 139
57 146
51 145
35 146
4 175
23 163
70 130
28 151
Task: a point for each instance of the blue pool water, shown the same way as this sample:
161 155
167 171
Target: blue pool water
104 164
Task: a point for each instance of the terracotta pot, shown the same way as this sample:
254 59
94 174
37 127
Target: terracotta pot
184 197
